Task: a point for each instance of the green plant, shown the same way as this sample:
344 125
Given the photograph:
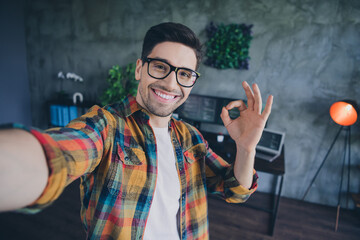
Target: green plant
228 46
121 81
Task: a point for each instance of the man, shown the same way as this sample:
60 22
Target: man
144 175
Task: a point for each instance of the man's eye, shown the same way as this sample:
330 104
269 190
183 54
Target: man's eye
185 74
159 66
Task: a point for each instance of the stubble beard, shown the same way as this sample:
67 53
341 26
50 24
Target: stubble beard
160 109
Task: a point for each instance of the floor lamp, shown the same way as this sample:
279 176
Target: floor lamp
345 114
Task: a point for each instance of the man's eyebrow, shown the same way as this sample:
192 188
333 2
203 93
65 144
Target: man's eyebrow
162 59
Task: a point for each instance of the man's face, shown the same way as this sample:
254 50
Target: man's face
162 96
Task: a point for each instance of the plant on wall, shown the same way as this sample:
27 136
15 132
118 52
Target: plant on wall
121 81
228 46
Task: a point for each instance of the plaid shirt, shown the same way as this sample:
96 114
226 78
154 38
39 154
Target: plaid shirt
113 150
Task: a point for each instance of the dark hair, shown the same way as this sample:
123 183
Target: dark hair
171 32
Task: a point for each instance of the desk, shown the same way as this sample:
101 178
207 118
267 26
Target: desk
227 150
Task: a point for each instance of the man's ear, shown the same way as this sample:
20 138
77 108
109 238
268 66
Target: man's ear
138 69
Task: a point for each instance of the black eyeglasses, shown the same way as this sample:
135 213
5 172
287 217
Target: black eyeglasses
159 69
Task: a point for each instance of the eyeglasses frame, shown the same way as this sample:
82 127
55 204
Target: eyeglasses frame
172 68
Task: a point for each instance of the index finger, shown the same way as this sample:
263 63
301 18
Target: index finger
238 104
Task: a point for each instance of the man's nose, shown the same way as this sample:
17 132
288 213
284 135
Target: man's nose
171 81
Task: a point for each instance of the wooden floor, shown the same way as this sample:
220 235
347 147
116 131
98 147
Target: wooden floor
296 220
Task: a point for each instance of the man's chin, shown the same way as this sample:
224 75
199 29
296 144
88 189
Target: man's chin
157 111
162 109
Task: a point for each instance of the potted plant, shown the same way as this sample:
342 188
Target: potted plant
121 82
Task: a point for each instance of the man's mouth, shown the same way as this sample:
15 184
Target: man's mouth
164 95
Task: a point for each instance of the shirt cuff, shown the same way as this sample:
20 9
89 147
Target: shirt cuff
240 193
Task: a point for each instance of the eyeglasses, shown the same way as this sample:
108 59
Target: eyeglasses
159 69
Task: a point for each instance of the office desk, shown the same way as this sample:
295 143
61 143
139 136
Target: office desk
227 150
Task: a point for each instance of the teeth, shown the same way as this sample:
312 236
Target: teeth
167 97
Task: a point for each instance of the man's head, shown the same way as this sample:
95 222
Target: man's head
171 32
168 47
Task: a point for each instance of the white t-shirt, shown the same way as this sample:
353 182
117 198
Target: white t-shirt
162 219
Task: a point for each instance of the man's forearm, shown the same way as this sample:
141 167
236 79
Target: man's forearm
23 169
244 166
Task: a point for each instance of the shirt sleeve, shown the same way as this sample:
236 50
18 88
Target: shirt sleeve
221 180
72 151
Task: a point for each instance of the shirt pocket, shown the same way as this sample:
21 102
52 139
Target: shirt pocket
127 172
195 171
195 153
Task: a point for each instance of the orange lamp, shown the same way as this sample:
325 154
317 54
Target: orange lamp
344 113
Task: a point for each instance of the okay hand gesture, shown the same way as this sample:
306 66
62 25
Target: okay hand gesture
246 130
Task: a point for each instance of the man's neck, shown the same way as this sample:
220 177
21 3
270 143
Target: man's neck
159 122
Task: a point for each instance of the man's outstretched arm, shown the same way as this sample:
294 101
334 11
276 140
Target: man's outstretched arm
23 169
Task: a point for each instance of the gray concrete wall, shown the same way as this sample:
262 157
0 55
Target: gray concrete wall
305 53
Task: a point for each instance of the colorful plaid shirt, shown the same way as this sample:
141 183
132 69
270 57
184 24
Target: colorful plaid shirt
113 151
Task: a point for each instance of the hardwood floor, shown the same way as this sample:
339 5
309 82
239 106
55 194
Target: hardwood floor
296 220
60 221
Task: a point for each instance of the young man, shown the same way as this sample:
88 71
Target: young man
144 175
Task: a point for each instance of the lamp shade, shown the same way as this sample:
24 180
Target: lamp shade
343 113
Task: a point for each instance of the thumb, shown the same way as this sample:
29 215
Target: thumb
225 117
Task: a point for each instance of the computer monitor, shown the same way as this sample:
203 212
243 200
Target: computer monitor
270 144
205 109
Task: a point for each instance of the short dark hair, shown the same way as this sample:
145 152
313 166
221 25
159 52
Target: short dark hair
171 32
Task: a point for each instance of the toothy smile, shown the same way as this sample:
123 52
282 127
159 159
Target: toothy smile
163 95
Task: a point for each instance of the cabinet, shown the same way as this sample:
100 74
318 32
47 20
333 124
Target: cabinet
63 111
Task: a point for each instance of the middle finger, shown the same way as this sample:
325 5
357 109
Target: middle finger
250 95
258 100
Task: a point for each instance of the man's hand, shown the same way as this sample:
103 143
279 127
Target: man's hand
246 130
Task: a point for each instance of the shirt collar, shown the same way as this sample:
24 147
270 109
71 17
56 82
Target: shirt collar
131 106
